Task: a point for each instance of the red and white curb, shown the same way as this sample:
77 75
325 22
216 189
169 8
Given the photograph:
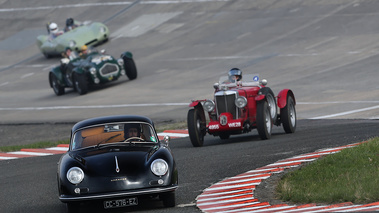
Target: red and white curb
236 194
62 148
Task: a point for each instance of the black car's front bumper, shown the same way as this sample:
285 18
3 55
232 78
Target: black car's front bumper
99 196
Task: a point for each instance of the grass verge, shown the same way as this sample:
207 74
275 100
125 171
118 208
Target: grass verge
348 176
46 144
38 145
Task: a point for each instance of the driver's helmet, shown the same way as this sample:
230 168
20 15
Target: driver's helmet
235 74
69 22
130 128
53 28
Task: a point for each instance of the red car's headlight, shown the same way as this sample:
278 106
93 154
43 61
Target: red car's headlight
241 102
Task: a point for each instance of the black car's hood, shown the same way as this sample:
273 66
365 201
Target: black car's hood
129 160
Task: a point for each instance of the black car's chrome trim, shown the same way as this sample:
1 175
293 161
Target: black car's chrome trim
68 198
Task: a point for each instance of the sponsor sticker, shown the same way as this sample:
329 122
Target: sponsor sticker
215 126
237 124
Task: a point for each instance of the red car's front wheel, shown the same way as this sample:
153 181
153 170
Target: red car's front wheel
288 116
264 120
195 127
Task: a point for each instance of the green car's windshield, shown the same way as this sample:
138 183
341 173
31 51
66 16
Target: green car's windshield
113 133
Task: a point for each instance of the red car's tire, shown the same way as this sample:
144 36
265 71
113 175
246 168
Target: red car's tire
264 121
224 136
195 127
288 116
270 97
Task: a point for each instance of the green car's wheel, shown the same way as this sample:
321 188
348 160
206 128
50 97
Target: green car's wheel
130 68
58 89
80 84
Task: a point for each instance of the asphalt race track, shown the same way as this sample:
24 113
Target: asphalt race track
326 51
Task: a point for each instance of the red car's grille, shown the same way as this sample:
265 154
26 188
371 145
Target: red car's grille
108 69
225 103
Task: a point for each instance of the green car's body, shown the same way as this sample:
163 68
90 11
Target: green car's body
90 34
95 68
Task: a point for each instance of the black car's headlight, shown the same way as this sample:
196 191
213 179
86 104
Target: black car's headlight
209 105
75 175
240 102
159 167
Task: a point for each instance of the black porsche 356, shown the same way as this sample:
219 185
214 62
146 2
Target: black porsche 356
116 160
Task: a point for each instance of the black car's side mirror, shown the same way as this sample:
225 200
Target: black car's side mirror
166 140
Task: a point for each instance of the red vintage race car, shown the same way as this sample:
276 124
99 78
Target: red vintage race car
239 107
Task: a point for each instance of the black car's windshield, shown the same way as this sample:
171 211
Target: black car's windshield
113 133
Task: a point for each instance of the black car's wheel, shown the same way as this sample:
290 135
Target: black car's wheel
73 207
288 116
168 199
264 121
195 127
224 136
130 68
58 89
270 97
80 84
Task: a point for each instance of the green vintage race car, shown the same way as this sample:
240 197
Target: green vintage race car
94 69
90 34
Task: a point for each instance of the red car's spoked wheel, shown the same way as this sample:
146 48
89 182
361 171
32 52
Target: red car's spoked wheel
195 127
288 116
264 121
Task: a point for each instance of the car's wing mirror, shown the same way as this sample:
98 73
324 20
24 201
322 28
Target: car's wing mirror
166 140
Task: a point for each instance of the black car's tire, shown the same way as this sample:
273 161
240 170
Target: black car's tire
270 97
58 89
130 68
264 121
195 127
224 136
80 83
168 199
73 207
288 116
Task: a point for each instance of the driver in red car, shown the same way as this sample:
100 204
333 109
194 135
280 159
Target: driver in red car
234 75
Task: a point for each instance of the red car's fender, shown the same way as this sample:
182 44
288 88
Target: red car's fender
260 97
196 102
282 97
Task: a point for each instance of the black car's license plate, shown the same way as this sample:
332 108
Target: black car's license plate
120 203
